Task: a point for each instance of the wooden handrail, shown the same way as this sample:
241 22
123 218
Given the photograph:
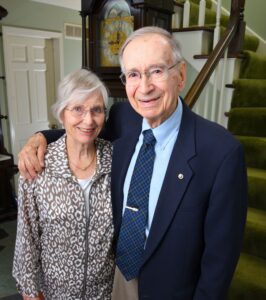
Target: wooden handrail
232 38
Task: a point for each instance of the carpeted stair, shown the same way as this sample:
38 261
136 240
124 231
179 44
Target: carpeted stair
247 121
249 279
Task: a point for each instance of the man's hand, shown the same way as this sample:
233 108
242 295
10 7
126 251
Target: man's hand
39 297
31 157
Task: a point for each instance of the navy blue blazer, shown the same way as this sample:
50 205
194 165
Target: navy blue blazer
196 233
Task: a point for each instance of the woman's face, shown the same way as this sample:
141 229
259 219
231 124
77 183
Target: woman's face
83 121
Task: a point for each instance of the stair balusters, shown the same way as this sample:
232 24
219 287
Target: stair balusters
202 6
217 29
186 14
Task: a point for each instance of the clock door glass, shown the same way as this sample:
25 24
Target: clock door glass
115 27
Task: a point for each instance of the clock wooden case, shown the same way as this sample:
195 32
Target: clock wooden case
105 26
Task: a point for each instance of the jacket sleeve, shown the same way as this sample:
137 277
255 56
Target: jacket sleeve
122 120
223 228
52 135
26 264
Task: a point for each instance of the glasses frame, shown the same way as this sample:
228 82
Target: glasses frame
85 112
146 73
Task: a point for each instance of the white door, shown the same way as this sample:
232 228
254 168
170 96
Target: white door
30 78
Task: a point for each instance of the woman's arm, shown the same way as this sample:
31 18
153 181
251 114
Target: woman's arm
26 263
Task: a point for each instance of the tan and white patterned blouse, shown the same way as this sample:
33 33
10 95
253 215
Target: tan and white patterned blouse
61 250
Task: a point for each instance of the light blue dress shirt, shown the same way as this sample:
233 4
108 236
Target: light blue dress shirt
166 135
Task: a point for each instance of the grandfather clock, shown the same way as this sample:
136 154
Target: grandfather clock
109 23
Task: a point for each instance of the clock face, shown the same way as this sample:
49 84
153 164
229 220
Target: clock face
115 27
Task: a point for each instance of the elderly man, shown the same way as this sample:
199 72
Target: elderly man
179 188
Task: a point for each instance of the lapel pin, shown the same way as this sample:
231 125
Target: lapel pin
180 176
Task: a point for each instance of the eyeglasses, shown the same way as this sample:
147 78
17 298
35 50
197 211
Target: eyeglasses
154 74
79 111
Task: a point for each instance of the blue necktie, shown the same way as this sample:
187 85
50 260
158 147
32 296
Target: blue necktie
131 240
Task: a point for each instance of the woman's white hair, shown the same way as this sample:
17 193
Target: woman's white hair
77 86
174 45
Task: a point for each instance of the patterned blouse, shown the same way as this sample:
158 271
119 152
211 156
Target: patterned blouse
60 249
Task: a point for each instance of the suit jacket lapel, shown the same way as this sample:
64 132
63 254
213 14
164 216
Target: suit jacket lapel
178 176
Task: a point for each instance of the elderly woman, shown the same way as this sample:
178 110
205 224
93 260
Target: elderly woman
65 229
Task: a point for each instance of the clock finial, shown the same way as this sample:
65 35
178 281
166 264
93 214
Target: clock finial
3 12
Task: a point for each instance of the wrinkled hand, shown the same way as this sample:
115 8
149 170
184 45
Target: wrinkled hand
31 157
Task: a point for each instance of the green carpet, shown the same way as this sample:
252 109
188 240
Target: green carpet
255 151
253 66
248 121
256 188
255 234
249 280
250 43
249 93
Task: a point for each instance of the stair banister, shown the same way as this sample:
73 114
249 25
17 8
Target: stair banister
232 38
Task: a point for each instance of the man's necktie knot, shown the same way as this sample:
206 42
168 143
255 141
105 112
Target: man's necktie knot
148 137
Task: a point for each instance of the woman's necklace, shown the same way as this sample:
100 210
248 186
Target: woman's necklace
86 167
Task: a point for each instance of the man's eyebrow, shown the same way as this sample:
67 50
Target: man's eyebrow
132 70
149 67
157 65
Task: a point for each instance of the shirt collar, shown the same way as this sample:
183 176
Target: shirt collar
169 126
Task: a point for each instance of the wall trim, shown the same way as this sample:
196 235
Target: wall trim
72 4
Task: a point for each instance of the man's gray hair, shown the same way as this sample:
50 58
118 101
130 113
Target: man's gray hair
174 45
76 87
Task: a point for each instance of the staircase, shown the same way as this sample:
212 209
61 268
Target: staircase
247 121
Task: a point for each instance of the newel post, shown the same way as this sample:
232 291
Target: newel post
236 44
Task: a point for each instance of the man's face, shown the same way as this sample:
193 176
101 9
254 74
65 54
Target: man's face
154 100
